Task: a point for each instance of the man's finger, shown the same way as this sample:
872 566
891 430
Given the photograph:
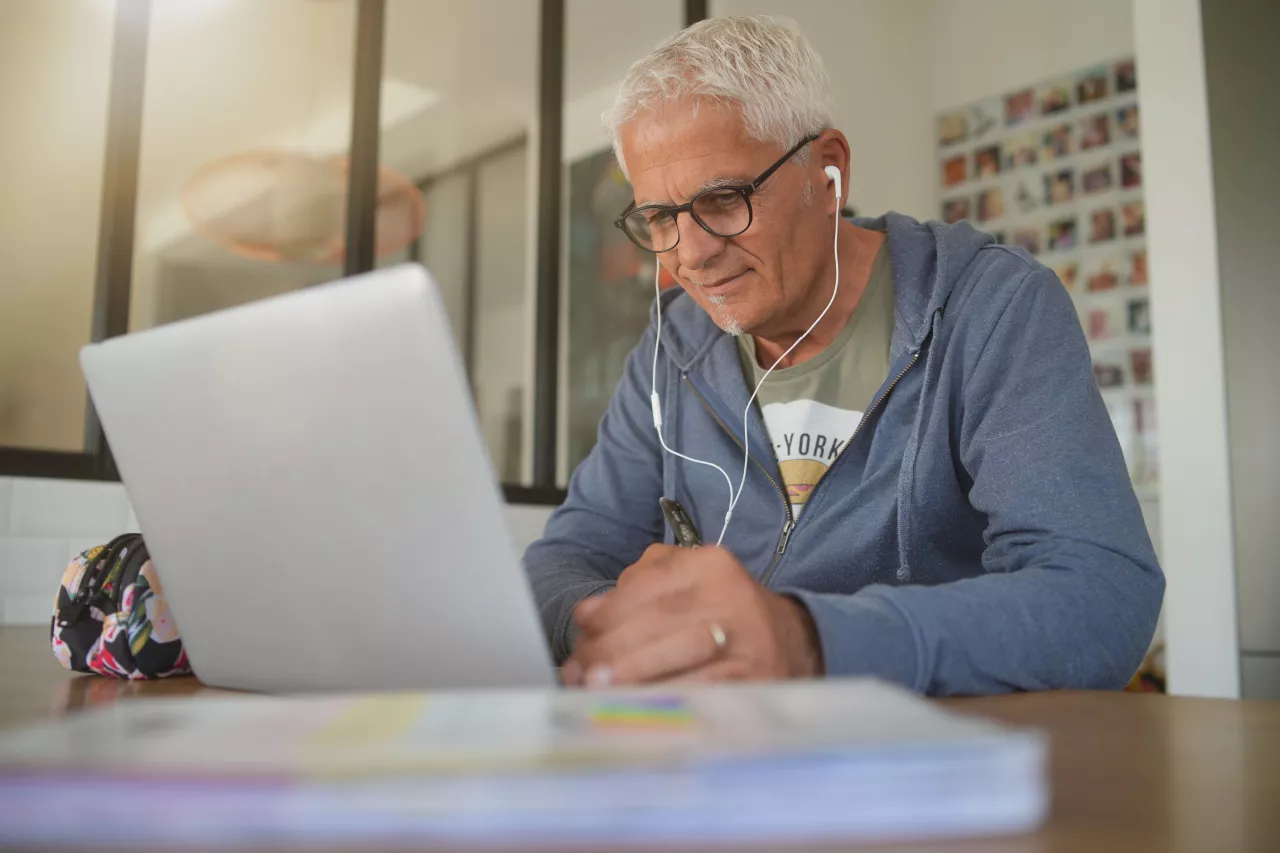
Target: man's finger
571 673
667 654
649 581
582 612
717 671
633 629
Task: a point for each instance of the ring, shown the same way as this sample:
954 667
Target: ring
717 636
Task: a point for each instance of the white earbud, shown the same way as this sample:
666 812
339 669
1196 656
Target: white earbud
834 174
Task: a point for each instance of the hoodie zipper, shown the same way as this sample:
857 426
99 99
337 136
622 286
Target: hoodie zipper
790 523
866 416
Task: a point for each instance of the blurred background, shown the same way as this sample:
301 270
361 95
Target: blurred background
166 158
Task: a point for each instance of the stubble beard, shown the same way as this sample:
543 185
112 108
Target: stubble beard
728 325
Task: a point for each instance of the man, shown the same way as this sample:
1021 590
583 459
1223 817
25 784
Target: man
934 493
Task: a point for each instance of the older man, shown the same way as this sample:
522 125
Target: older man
933 492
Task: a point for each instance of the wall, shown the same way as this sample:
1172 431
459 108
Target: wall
986 47
1242 69
1200 605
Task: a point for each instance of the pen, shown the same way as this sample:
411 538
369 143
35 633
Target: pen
682 526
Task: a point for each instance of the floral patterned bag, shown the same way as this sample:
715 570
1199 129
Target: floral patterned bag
111 616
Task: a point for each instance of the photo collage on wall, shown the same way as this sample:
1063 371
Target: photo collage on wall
1056 169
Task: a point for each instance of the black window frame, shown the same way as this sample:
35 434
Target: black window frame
114 271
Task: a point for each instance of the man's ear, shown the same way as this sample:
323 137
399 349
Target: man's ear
831 149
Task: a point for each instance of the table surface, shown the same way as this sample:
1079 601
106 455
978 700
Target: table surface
1128 772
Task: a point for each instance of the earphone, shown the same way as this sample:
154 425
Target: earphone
834 174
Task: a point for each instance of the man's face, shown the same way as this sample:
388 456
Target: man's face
761 281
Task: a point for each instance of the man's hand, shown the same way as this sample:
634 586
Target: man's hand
662 619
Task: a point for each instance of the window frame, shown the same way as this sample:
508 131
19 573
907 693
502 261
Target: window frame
114 271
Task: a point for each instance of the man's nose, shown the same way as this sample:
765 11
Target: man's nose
697 245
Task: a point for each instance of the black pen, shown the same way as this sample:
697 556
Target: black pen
682 526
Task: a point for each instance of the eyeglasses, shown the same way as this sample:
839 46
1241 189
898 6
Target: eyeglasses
724 211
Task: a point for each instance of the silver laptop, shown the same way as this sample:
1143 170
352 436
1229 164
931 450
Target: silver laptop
309 476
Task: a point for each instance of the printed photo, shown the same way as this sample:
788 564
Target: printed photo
1062 235
1019 107
1108 374
986 162
1103 323
1067 273
1028 239
1096 180
1126 76
1138 268
1095 131
1102 225
954 170
1147 469
952 128
1056 143
955 209
990 204
1021 150
1144 415
1055 97
1140 365
1134 216
1131 170
1127 122
1024 198
984 118
1103 277
1140 317
1121 413
1092 86
1059 187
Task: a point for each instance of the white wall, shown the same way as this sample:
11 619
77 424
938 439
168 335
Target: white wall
1242 70
45 523
987 47
1200 606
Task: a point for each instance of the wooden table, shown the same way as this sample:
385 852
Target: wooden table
1129 772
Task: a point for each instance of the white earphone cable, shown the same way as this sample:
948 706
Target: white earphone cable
657 406
746 414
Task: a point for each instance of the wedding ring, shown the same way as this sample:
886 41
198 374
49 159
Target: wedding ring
718 637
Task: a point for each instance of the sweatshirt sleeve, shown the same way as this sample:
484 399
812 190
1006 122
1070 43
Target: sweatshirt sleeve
1070 589
611 514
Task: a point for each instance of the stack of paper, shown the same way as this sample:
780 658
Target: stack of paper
795 762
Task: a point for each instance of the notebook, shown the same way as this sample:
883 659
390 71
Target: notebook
800 762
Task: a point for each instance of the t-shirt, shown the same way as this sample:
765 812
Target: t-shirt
811 410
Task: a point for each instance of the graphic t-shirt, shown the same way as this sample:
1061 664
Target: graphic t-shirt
811 410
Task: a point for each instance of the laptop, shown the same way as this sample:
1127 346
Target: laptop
310 478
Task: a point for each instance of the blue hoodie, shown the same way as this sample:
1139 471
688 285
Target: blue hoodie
979 534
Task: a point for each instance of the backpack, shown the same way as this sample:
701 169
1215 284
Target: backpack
111 617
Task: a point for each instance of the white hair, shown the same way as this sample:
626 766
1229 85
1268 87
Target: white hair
763 65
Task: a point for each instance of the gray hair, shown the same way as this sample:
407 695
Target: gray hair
763 65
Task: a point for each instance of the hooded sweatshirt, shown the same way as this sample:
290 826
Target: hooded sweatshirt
979 532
